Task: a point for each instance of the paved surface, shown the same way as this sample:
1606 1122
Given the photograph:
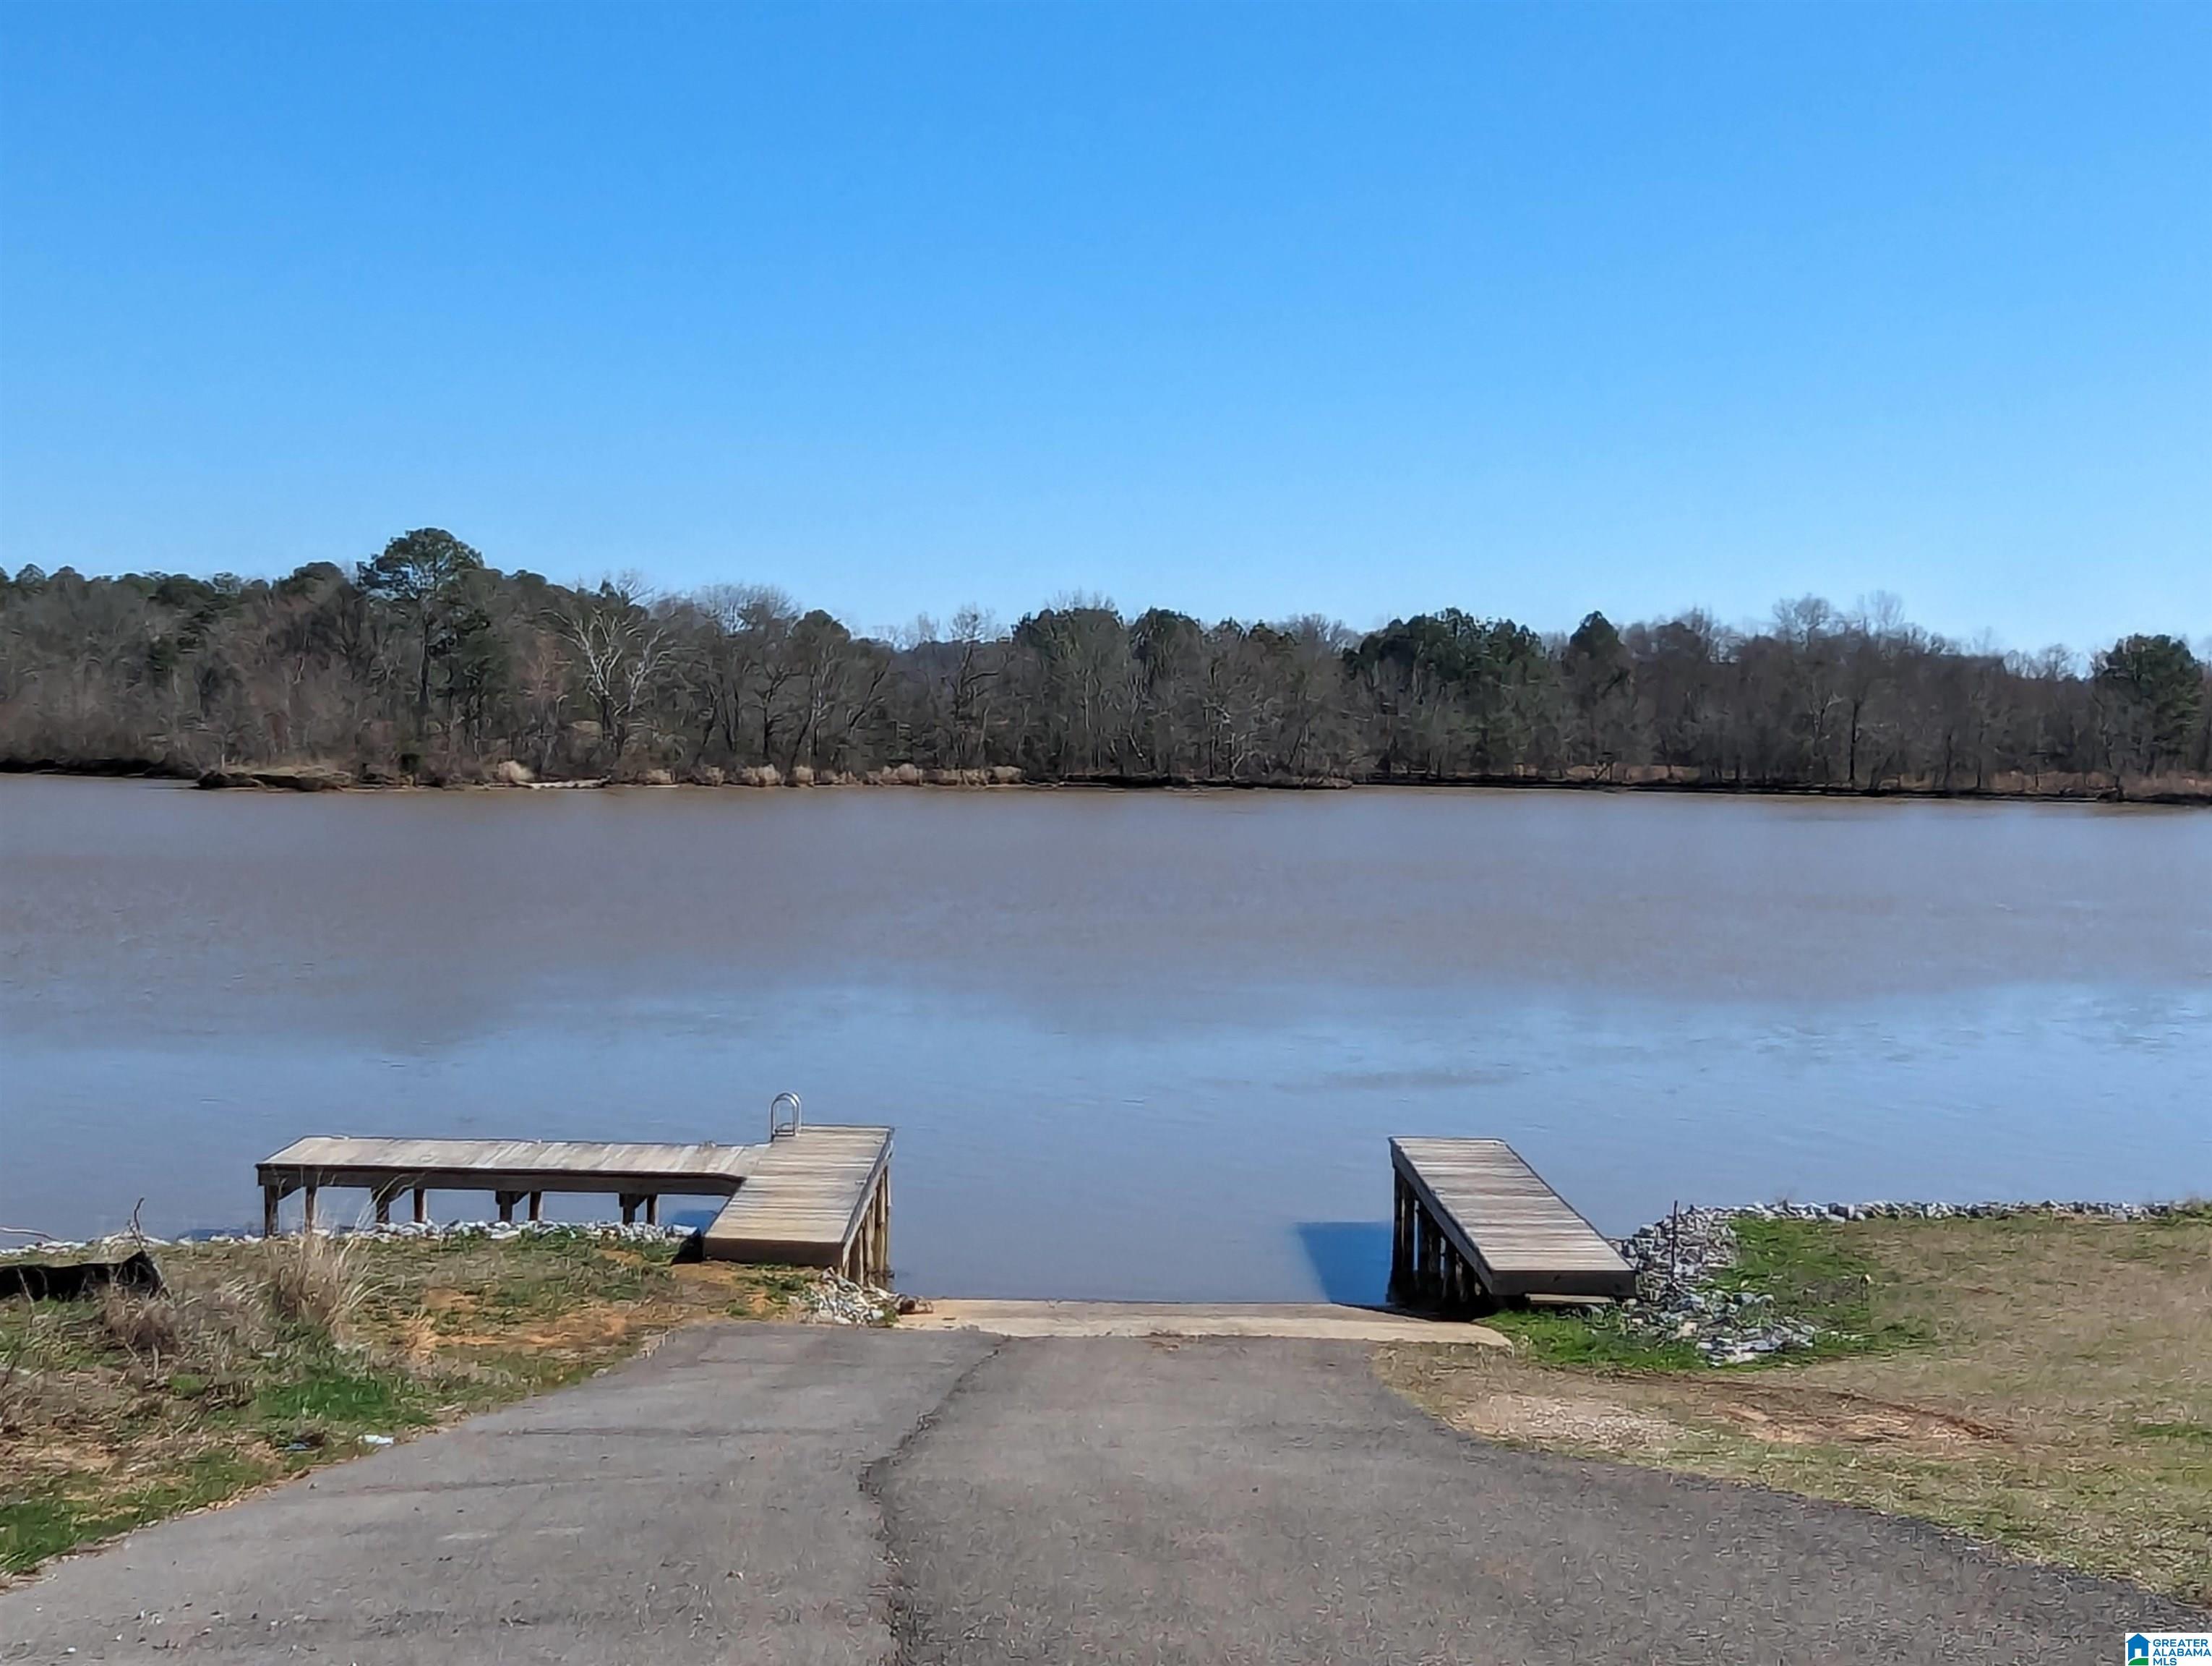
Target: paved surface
785 1494
702 1504
1326 1322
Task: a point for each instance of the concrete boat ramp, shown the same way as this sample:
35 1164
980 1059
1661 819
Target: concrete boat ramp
1321 1322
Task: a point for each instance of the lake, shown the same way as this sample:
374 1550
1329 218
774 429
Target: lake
1144 1045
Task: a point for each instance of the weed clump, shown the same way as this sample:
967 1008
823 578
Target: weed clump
313 1281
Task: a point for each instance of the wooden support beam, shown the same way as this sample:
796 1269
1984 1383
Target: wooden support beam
421 1206
506 1202
537 1205
1415 1239
652 1209
1413 1286
271 1196
381 1199
1400 1246
307 1220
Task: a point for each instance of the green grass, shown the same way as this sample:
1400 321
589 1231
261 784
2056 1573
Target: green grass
1812 1272
2195 1433
331 1396
1589 1338
1804 1268
36 1526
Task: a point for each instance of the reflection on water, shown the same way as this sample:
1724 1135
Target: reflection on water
1136 1045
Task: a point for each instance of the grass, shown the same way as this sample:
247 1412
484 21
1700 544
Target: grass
1809 1271
1561 1338
260 1361
2042 1382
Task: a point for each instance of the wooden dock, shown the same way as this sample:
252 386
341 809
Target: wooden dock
1475 1226
817 1196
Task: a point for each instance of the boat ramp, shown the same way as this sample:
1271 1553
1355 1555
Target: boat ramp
1473 1226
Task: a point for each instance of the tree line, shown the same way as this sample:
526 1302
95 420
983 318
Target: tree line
426 663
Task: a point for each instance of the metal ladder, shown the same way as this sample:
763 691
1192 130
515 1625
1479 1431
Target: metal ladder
780 1128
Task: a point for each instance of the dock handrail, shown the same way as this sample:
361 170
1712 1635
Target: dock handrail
778 1128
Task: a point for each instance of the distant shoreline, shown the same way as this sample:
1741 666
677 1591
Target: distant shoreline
2172 790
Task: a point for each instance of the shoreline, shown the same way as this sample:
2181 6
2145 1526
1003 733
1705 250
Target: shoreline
2172 791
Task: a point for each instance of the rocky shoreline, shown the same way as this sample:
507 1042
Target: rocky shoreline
1676 1300
498 1231
1676 1258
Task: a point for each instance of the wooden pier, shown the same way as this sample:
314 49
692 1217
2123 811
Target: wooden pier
817 1196
1475 1226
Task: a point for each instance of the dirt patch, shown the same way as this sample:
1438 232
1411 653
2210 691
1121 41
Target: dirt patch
1590 1422
1809 1416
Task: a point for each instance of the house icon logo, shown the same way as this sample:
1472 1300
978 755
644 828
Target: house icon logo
2138 1649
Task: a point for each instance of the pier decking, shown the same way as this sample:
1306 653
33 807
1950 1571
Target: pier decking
1473 1224
816 1196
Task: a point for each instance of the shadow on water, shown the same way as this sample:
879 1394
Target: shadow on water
1351 1259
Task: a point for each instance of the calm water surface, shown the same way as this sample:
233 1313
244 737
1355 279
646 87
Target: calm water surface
1136 1045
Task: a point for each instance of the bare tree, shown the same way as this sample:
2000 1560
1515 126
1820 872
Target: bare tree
425 661
619 647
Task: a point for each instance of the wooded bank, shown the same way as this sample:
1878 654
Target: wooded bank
424 665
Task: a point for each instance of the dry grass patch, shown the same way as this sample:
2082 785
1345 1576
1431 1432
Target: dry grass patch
260 1360
2056 1400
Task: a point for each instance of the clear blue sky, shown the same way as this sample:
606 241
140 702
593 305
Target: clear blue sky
1245 310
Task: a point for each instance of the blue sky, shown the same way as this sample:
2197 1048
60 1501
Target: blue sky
1251 310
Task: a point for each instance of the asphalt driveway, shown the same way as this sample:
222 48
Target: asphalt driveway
796 1494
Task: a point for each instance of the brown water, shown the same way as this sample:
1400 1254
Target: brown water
1144 1045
